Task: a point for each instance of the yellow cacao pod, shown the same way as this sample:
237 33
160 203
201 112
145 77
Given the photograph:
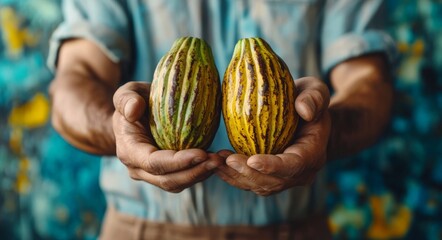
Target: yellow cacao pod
258 99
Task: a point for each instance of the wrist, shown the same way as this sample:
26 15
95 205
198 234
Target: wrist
101 133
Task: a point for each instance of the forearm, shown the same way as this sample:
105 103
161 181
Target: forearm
360 108
81 95
82 112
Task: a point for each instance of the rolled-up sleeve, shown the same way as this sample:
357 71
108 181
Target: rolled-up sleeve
104 22
352 28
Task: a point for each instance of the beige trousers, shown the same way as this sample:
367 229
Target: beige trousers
121 226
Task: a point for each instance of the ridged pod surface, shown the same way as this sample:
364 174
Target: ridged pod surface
185 97
258 99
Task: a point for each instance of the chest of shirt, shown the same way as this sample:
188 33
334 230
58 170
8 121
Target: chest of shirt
290 26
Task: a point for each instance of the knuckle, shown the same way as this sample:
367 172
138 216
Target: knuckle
154 167
117 98
193 177
295 170
268 168
123 94
134 175
317 83
262 192
123 156
168 184
236 175
277 187
251 177
317 96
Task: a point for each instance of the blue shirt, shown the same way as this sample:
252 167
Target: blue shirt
311 36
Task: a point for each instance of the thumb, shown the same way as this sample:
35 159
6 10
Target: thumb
313 98
130 100
134 108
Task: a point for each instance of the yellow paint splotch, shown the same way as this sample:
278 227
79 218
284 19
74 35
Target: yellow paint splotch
23 183
342 217
32 114
388 224
15 38
15 141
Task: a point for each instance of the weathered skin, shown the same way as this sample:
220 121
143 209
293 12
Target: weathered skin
185 97
258 100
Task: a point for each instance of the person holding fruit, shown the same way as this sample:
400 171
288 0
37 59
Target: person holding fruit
104 54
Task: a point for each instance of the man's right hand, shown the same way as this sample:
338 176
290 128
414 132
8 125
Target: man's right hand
170 170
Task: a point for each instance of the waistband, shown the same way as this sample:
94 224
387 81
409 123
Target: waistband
121 226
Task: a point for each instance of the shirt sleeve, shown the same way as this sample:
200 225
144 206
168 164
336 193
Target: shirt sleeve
104 22
352 28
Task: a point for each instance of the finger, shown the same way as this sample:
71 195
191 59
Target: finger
178 181
214 161
307 153
237 162
255 178
232 177
168 161
315 135
289 167
135 149
236 179
131 140
313 98
225 153
310 145
131 100
281 165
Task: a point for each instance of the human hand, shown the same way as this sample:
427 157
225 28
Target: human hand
266 174
170 170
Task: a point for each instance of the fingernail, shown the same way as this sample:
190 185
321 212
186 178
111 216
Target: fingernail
235 165
129 108
212 165
257 166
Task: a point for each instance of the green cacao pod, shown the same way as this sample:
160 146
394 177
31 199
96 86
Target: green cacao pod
185 97
258 99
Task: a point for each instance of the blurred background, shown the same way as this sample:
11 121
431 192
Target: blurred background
49 190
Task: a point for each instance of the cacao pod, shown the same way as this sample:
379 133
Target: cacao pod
258 99
185 97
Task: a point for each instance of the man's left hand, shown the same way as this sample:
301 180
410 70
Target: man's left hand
267 174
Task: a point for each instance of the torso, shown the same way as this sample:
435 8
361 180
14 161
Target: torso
287 26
